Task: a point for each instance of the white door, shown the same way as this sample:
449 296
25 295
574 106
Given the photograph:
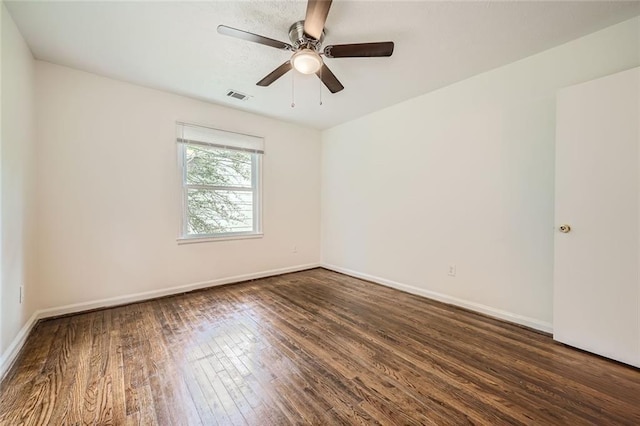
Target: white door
596 271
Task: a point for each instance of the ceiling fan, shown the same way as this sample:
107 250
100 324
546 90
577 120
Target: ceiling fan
306 42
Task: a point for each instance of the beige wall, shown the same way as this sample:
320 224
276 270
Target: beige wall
109 200
17 165
463 175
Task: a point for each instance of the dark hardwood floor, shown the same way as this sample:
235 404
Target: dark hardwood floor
313 347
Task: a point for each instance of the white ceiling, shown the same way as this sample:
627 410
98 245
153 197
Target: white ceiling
174 46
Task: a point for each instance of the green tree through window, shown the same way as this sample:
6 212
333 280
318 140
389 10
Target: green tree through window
220 190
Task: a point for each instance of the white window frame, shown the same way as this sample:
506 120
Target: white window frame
256 189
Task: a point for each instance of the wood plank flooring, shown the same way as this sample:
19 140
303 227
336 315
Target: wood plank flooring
313 347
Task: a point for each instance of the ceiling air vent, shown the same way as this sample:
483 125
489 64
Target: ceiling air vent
237 95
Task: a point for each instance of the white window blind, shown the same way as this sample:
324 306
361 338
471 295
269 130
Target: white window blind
200 135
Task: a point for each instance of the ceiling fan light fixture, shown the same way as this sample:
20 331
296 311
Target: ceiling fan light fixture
306 61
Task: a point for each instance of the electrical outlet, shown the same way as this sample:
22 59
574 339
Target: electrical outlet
452 270
295 249
21 293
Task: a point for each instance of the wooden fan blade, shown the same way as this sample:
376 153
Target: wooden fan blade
317 11
275 74
329 79
359 50
245 35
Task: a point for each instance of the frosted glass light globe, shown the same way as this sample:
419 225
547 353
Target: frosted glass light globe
306 61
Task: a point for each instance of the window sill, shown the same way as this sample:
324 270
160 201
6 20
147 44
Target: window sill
208 239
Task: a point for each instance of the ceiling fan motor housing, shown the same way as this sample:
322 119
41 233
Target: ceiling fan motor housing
300 40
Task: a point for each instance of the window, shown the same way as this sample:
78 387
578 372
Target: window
220 174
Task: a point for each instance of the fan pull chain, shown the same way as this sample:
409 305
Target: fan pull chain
293 94
320 85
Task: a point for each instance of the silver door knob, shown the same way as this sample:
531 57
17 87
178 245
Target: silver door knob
565 229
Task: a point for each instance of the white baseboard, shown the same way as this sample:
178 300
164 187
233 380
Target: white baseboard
477 307
137 297
9 356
